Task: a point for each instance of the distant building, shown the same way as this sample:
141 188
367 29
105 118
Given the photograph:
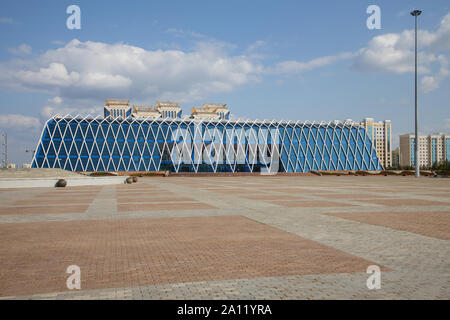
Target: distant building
196 145
433 148
380 133
145 111
168 109
396 157
117 108
217 111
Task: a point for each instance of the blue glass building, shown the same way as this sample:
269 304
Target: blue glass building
190 145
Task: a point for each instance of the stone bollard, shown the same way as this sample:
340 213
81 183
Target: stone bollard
129 180
135 179
61 183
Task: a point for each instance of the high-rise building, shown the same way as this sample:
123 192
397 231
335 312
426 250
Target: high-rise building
380 133
433 148
211 111
396 157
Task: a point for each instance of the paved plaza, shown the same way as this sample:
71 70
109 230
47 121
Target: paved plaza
229 237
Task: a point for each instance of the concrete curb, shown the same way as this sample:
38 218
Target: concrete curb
6 183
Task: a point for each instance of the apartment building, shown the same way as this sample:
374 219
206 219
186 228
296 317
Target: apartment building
380 133
211 111
432 148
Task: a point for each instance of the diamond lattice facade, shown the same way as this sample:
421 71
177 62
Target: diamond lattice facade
191 145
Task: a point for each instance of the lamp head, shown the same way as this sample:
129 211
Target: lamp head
416 13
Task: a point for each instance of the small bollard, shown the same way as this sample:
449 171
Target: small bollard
135 179
129 180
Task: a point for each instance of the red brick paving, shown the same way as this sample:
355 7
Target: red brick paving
131 252
406 202
432 224
152 199
90 195
349 196
51 201
233 191
311 203
163 206
145 194
294 190
271 197
44 209
79 188
437 194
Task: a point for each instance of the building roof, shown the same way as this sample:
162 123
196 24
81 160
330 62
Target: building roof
214 105
144 108
117 102
167 104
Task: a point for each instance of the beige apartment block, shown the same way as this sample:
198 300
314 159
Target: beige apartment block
117 108
145 111
380 133
396 157
120 108
168 109
160 110
433 148
211 111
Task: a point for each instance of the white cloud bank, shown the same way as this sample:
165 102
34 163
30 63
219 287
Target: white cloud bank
23 49
19 121
6 20
91 71
394 53
97 70
296 67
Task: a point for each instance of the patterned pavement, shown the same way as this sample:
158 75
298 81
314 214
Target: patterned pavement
242 237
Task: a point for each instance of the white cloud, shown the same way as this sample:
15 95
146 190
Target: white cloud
55 74
255 45
432 82
294 67
185 33
98 70
23 49
394 53
440 127
49 111
19 121
56 100
6 20
447 124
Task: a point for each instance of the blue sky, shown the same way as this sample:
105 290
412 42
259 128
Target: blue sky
296 60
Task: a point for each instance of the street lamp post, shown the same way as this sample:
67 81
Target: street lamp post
416 13
5 150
